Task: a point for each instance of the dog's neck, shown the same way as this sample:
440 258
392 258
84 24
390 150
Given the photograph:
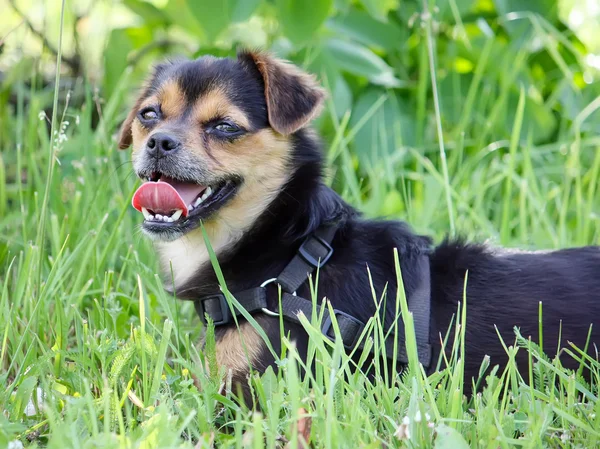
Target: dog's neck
181 259
299 204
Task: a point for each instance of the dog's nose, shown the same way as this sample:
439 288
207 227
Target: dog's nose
162 143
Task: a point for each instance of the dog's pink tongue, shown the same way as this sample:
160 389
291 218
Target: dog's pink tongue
166 195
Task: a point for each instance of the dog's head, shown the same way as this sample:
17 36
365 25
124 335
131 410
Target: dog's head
211 139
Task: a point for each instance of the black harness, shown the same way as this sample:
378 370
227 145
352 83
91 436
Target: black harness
314 253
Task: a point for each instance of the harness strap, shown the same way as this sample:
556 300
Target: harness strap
419 303
314 252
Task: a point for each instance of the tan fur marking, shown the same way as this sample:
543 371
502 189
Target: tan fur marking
237 349
139 134
215 104
171 99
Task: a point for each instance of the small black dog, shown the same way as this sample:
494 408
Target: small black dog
225 142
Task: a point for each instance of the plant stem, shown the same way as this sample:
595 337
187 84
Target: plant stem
41 232
438 117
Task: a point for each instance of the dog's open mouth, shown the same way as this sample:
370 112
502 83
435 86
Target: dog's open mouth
170 202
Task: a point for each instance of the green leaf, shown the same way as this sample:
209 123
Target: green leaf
213 15
269 382
302 18
446 13
179 12
342 5
453 89
115 58
331 78
360 26
546 8
151 14
359 60
393 204
9 430
379 9
243 9
389 126
449 438
24 394
341 96
538 119
574 102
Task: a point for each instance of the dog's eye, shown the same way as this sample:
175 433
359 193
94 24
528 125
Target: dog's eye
148 114
227 128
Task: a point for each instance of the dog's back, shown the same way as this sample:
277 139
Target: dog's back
505 288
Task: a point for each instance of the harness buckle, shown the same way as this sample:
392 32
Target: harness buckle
216 307
315 262
344 320
264 309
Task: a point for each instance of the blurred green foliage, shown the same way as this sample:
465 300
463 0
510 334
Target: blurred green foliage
372 56
363 50
369 49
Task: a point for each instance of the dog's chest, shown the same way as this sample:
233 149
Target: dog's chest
181 259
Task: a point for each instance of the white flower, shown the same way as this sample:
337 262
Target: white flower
418 416
30 408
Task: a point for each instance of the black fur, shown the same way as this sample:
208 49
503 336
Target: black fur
504 287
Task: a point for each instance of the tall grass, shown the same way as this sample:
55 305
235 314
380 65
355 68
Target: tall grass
93 352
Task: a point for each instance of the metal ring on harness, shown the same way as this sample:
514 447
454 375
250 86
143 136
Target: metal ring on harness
264 309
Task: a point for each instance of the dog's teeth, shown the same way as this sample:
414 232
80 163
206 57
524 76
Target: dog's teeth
147 214
176 215
201 198
158 216
167 219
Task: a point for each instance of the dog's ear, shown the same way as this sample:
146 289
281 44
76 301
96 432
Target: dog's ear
125 134
293 97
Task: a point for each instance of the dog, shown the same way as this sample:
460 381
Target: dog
226 143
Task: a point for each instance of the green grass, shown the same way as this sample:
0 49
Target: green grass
87 328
